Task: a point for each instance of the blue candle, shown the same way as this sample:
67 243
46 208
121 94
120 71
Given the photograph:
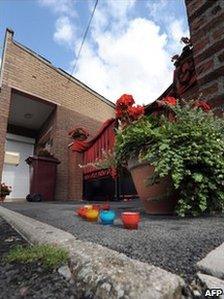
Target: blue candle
107 217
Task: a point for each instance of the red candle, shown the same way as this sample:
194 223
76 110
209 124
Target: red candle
130 219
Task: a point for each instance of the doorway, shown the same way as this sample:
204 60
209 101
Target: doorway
17 175
29 119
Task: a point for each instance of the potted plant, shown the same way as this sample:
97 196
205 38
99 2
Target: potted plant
175 160
43 152
5 190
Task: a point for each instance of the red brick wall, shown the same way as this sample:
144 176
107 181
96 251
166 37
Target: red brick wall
206 22
4 111
75 178
76 105
64 121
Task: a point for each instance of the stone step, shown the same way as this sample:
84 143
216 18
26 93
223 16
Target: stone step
213 263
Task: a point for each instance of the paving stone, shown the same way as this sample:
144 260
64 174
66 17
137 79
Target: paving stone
213 263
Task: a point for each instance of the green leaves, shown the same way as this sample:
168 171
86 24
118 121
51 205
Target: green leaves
198 177
164 146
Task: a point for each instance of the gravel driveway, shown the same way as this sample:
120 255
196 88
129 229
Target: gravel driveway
168 242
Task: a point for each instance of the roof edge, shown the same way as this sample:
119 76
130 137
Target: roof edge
8 36
62 72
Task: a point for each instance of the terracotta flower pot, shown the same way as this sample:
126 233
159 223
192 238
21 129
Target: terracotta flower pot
130 219
158 198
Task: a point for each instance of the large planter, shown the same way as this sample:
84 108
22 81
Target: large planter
159 198
43 172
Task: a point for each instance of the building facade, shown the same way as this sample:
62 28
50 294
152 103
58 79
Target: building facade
39 105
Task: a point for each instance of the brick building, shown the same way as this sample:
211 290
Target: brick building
39 105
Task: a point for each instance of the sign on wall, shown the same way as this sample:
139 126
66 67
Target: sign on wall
12 158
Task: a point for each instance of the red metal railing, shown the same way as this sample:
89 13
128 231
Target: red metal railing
103 141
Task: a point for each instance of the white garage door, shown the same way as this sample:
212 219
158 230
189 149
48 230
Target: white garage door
18 176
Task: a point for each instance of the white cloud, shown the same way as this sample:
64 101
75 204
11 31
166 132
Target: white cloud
60 6
65 31
133 62
113 14
119 9
177 30
155 8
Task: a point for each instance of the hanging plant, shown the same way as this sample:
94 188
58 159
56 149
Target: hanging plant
79 134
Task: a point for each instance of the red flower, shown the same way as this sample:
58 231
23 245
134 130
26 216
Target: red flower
119 113
203 105
171 101
126 111
136 112
125 101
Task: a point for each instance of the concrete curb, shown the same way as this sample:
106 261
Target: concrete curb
100 272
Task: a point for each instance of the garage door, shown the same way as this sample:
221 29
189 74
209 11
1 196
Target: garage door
17 174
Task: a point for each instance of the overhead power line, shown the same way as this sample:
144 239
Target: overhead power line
83 40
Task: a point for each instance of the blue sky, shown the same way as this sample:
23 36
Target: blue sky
128 48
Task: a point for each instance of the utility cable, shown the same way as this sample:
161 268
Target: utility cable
83 40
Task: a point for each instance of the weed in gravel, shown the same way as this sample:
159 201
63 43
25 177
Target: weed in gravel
50 256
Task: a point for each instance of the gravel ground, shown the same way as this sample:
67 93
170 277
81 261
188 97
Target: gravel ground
168 242
31 280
